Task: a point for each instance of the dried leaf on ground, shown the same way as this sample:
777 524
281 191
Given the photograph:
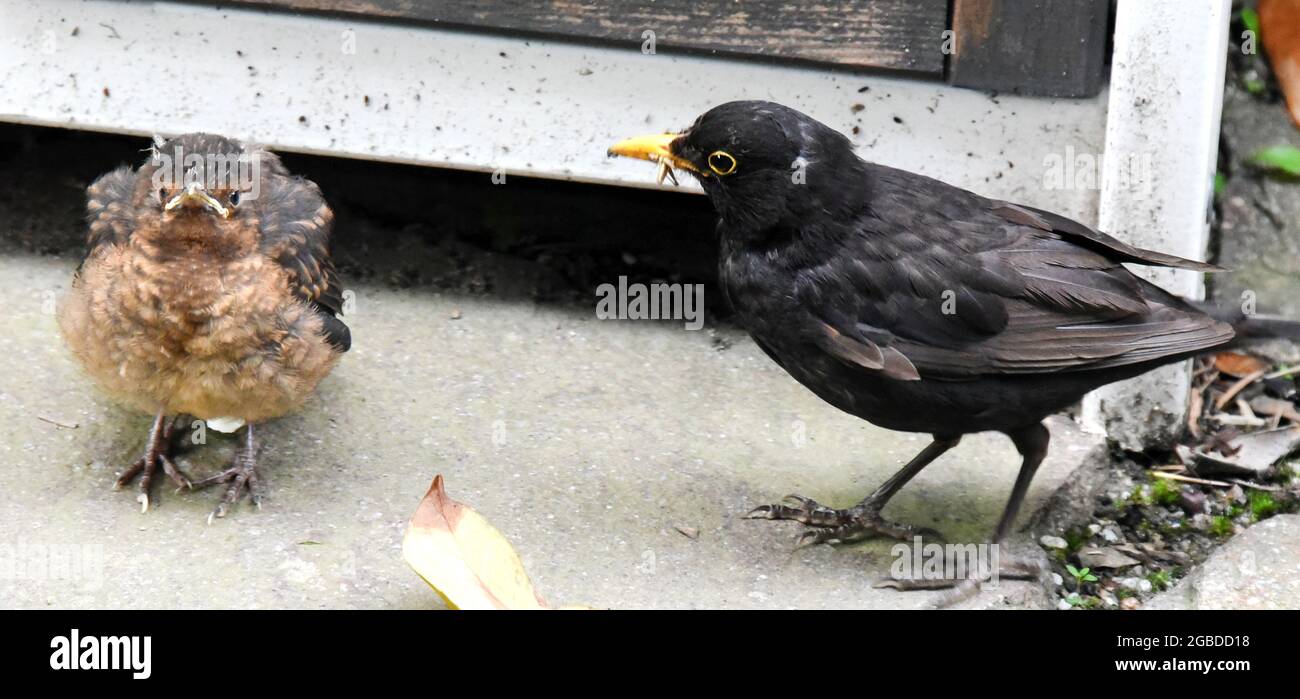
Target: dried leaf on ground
1253 453
464 558
1238 365
1279 28
1275 407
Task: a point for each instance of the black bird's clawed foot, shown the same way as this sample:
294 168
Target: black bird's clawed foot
156 453
843 526
962 589
241 476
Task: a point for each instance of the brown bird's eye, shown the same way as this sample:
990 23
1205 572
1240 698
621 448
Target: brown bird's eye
721 162
162 194
234 198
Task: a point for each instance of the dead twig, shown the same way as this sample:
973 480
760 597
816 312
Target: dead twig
56 423
1238 420
1284 371
1194 409
1238 387
1256 486
1190 479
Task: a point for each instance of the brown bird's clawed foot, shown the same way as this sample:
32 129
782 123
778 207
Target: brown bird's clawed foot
843 526
962 589
241 476
157 453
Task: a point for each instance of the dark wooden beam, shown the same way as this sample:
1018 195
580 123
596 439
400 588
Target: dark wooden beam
900 35
1037 47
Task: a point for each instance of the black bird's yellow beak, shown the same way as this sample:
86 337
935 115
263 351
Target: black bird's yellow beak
657 148
195 195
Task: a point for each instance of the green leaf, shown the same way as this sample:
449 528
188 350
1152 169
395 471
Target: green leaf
1090 578
1282 158
1072 570
1250 18
1220 182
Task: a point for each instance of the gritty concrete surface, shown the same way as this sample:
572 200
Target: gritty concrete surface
1257 569
586 442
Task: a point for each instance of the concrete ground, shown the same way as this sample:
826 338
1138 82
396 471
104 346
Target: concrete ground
588 443
1255 570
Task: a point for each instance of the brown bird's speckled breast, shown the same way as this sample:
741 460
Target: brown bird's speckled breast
168 333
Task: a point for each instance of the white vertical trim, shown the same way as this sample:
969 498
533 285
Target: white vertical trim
1166 97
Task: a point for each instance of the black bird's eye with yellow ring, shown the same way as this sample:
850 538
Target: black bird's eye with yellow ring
722 162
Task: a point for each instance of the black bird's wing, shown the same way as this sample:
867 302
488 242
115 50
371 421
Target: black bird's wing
1093 239
934 281
296 225
109 212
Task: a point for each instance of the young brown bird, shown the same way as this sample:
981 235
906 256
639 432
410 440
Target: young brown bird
919 306
206 290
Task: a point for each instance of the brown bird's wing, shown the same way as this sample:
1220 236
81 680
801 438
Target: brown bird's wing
109 211
296 226
948 284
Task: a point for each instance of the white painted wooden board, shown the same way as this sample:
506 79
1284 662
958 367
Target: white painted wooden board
480 101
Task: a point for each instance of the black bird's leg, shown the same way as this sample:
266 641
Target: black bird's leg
242 475
863 519
157 452
1031 442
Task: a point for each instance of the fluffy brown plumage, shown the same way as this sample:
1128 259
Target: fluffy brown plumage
206 290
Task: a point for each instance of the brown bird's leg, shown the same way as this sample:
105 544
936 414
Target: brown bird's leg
241 475
863 519
1031 442
157 451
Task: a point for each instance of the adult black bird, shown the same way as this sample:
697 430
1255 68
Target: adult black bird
207 290
916 305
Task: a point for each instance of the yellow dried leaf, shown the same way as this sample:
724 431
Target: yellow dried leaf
464 558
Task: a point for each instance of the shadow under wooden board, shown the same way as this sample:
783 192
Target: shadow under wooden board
1036 47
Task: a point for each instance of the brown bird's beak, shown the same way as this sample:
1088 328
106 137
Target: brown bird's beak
657 148
195 195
